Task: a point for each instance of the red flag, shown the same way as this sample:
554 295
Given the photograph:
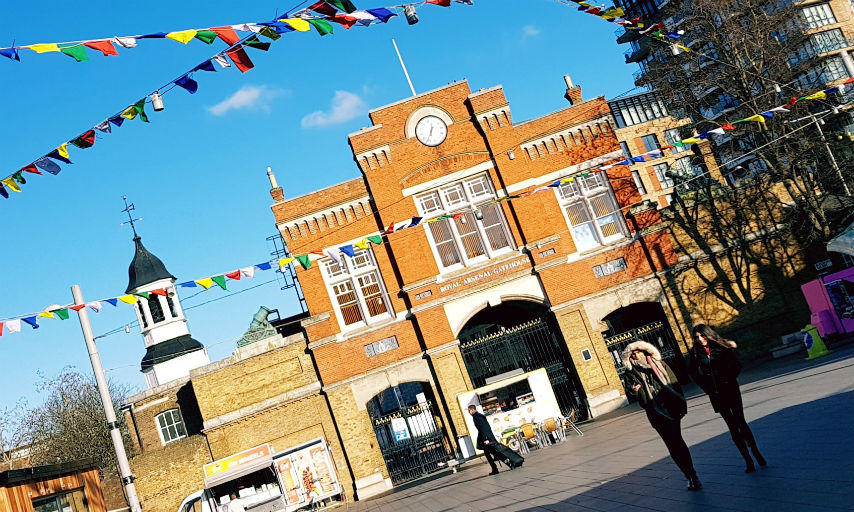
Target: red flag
104 46
323 8
227 34
443 3
86 140
791 103
160 291
78 307
389 229
456 215
233 275
31 168
344 20
728 126
240 59
850 80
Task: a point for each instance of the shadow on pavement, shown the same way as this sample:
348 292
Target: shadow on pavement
811 468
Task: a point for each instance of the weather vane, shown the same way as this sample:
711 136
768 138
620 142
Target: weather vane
129 208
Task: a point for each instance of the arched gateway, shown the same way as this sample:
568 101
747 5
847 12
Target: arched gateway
524 335
409 430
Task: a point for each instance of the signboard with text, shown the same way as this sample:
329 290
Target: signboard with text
239 459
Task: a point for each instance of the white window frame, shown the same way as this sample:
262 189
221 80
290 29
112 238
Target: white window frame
478 192
172 413
580 192
350 270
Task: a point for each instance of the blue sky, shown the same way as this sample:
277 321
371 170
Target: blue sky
197 172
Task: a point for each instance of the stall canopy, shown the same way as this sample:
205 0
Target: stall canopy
843 242
238 465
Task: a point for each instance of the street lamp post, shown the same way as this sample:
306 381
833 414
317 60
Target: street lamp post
106 401
830 154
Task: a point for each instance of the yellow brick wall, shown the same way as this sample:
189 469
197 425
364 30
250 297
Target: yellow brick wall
453 379
166 476
357 432
252 380
599 374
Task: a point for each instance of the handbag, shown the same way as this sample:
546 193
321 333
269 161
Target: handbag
671 402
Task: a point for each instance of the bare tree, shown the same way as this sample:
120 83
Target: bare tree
13 435
71 425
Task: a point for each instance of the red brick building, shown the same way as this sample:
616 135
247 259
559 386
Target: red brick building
558 279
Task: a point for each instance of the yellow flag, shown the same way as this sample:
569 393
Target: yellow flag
182 36
820 95
362 244
205 282
615 13
285 261
129 113
9 182
63 150
46 314
566 180
683 48
755 117
42 48
297 24
128 299
691 140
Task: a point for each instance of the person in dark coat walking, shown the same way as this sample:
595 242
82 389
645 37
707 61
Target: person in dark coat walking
485 438
659 393
715 367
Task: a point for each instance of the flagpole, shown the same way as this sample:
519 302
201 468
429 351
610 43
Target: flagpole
404 67
106 401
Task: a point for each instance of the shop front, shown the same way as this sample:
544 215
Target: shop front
67 487
265 481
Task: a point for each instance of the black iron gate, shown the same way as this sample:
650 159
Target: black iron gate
411 440
658 334
528 346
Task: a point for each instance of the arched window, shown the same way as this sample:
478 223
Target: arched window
171 306
170 424
156 309
141 315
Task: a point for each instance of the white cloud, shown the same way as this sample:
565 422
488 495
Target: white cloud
530 31
248 97
344 107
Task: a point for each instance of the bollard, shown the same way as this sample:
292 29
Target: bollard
815 345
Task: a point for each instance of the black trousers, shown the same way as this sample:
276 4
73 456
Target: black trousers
671 433
731 409
489 453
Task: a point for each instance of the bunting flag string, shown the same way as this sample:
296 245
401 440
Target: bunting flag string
318 15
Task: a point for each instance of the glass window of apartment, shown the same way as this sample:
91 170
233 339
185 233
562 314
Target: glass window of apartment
818 15
474 228
637 109
686 168
74 501
650 142
591 212
626 152
834 69
170 424
638 182
673 136
661 173
355 287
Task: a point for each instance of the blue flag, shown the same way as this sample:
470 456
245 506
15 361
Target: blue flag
205 66
56 156
32 321
153 35
188 284
3 192
113 301
118 120
11 53
348 250
48 165
188 84
264 266
383 14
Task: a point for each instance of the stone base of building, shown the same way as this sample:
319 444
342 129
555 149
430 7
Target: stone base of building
372 485
606 402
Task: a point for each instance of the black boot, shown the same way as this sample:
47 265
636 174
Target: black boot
742 448
694 483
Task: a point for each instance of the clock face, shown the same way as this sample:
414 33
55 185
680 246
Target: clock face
431 131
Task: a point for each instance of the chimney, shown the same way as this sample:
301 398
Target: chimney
573 92
275 190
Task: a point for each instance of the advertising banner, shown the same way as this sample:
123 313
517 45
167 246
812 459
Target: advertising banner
307 473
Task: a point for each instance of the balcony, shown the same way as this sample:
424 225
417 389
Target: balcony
636 56
628 36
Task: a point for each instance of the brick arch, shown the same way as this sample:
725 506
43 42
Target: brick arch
443 166
457 329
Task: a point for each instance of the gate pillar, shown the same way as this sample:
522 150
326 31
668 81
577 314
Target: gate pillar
597 373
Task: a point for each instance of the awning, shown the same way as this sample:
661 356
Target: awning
242 470
843 242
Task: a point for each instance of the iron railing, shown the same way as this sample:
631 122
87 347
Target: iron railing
658 334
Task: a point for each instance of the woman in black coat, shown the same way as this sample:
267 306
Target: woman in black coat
714 367
658 392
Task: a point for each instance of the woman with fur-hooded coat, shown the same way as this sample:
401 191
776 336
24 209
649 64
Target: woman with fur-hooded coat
715 367
659 393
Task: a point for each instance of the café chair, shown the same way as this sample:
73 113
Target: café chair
569 422
552 428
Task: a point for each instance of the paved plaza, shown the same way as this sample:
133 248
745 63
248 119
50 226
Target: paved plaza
801 412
